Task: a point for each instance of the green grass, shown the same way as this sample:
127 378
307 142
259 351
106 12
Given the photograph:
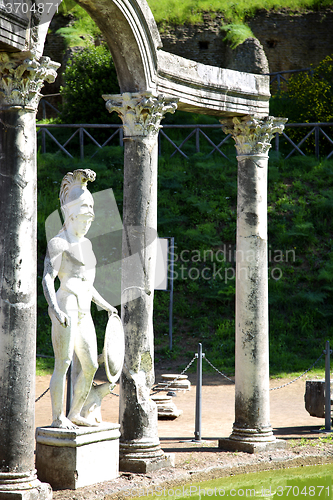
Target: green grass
82 31
197 205
44 366
190 11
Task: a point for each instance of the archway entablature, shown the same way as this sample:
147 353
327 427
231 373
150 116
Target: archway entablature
211 90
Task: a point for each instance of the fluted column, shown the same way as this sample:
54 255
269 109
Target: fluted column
252 430
141 114
21 78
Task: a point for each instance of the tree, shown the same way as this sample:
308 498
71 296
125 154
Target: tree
89 74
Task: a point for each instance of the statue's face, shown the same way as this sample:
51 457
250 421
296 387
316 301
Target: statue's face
81 213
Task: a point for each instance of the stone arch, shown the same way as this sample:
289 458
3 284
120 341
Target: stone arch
132 37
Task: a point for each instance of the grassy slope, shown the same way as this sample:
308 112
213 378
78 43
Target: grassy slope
197 205
83 30
173 11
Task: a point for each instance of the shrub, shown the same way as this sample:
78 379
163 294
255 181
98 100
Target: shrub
89 75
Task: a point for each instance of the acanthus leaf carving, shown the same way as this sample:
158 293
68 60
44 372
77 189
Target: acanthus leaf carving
253 135
22 76
141 112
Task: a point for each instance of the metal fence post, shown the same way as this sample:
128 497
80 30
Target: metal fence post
197 140
43 141
172 248
121 137
317 141
327 387
81 136
198 395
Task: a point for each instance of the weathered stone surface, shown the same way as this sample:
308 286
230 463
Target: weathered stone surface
252 422
18 486
290 40
70 459
144 459
20 82
294 40
173 382
215 91
166 408
248 57
141 115
314 398
248 447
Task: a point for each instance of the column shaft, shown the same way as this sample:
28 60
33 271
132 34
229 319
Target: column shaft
21 78
18 289
252 429
138 414
252 355
141 114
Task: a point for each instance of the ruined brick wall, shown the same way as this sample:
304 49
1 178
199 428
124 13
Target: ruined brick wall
290 41
294 41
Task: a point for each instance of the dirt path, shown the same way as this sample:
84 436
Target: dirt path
289 420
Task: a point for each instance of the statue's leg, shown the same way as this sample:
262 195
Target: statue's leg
86 350
63 346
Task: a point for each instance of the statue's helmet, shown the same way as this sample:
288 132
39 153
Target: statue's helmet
75 199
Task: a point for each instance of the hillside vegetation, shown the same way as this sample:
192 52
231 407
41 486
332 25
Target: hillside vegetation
82 29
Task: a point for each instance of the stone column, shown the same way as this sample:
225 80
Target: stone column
22 77
252 430
141 114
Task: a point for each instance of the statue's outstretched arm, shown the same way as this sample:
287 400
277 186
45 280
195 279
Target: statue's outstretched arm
99 301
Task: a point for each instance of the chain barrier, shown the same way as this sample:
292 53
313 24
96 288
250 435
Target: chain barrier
40 397
165 388
218 371
300 376
169 384
273 388
47 390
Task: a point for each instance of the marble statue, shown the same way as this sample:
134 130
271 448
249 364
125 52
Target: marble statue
70 257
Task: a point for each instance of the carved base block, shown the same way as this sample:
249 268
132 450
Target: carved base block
251 445
18 486
143 457
70 459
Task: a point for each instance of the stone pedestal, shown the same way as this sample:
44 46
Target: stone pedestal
179 382
141 114
23 486
21 78
252 430
70 459
166 408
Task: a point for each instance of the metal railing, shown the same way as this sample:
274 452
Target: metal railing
195 136
277 76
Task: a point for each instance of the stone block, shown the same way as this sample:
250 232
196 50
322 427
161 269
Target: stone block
23 486
146 465
314 398
166 408
251 446
71 459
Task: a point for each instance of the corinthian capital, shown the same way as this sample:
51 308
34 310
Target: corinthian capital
141 112
252 135
22 77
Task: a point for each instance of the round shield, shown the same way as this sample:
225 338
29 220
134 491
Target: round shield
114 348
